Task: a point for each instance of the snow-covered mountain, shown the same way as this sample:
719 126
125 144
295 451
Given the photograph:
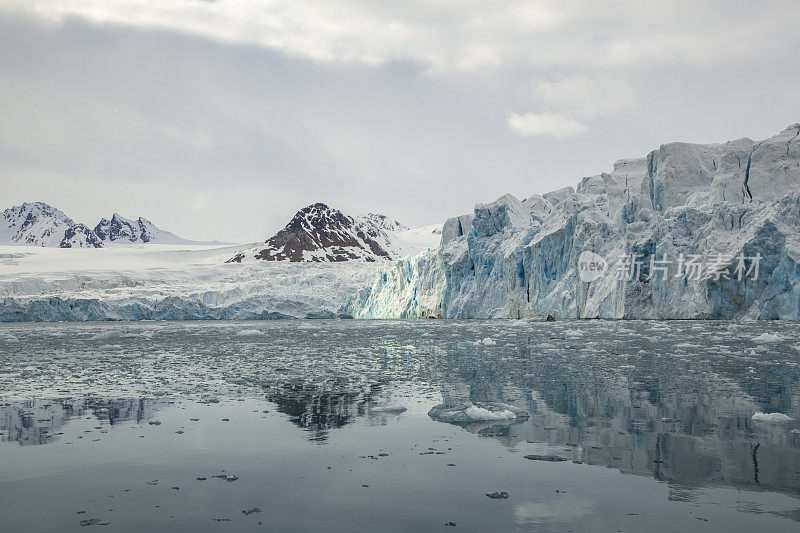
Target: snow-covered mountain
726 206
39 224
319 233
120 230
34 224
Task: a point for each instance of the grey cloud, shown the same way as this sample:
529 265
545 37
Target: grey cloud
225 138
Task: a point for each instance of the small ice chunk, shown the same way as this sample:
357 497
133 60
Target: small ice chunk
772 417
227 477
488 341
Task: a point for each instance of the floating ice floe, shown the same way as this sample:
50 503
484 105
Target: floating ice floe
465 413
768 337
772 417
488 341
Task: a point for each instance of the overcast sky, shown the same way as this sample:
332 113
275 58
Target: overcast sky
219 119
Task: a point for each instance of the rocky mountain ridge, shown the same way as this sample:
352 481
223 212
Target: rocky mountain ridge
39 224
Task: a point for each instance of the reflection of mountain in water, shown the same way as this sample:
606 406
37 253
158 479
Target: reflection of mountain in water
324 405
39 421
683 422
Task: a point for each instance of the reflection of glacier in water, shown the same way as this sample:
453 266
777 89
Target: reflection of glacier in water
685 422
674 402
39 421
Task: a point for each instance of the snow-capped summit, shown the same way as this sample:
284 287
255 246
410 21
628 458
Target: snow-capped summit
319 233
120 230
383 222
33 224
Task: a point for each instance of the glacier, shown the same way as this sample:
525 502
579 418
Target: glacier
516 258
167 282
179 282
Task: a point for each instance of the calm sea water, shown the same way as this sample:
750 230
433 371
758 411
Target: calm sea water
325 426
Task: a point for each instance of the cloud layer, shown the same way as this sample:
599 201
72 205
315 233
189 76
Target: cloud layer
217 119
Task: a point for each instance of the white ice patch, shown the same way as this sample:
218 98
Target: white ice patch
573 333
544 346
772 417
479 413
768 337
389 409
248 333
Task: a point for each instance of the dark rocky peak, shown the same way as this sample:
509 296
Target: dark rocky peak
320 233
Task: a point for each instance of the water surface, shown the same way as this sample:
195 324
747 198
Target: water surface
325 425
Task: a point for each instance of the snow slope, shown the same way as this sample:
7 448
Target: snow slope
513 258
383 222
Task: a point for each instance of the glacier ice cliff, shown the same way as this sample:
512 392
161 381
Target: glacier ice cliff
518 258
